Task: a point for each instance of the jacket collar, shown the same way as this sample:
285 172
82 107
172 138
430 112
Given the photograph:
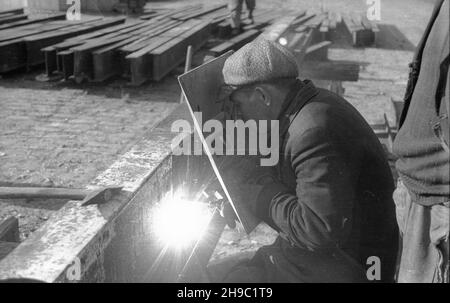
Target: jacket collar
300 93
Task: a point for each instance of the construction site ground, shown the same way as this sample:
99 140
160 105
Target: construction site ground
63 134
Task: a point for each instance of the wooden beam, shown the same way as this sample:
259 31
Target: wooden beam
141 62
105 60
9 230
59 16
318 51
42 193
330 70
168 56
52 51
108 60
13 18
13 51
36 43
84 62
235 43
276 30
16 11
360 29
66 63
203 12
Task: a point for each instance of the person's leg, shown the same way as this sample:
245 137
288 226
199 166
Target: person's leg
236 269
282 263
439 235
250 4
424 230
235 7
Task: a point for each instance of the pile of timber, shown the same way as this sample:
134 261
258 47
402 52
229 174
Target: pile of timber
130 6
21 46
144 50
16 17
362 31
11 16
214 13
151 47
296 30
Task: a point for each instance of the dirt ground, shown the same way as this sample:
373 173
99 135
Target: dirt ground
65 135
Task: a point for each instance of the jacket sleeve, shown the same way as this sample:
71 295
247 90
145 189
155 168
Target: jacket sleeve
319 213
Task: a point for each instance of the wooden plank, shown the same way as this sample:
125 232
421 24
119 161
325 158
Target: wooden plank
16 11
42 193
168 56
66 63
203 12
105 60
351 27
366 23
330 70
139 62
357 20
84 65
83 62
332 20
300 40
9 230
299 48
349 24
235 43
171 13
318 51
13 18
35 29
303 19
13 55
59 16
35 43
359 28
276 30
185 11
143 39
52 63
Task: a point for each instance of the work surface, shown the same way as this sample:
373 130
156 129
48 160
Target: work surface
66 135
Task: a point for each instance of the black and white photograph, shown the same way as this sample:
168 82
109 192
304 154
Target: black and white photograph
223 149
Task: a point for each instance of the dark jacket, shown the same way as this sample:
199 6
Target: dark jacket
335 186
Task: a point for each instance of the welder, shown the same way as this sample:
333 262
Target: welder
330 195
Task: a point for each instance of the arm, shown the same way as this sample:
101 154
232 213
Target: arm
315 215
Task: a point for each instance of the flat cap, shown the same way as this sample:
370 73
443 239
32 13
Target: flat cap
259 61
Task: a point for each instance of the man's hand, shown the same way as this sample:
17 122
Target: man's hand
243 195
244 178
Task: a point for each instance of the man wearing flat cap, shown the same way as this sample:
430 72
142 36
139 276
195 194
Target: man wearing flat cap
330 195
